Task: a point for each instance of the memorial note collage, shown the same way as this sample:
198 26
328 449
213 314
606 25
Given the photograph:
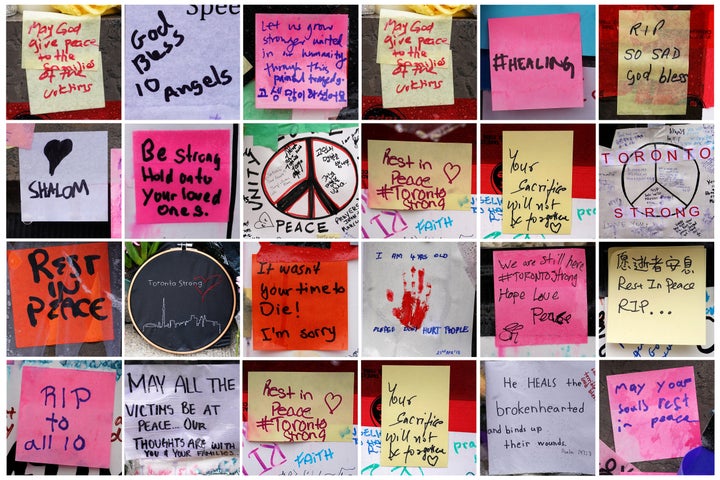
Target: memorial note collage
360 239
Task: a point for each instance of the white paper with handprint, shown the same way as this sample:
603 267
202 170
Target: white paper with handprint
64 177
418 299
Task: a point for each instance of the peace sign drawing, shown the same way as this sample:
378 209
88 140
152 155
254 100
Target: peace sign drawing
310 178
668 184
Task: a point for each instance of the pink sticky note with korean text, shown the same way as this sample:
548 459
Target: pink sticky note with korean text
654 413
540 297
301 61
65 416
181 176
536 62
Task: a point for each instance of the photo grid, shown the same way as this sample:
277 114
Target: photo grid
360 239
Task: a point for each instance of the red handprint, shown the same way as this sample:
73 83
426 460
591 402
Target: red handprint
414 306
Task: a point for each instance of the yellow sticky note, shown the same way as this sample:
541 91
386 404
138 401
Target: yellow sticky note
415 59
653 62
78 92
406 36
417 87
419 175
59 40
415 405
656 295
300 406
537 182
247 66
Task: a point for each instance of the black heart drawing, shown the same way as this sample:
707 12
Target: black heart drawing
55 151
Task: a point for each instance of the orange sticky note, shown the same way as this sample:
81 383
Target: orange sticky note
60 294
299 305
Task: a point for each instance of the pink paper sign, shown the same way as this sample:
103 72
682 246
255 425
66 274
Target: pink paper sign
540 297
19 135
301 61
654 414
613 464
116 193
536 62
65 417
181 176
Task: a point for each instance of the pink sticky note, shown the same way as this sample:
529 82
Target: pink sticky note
65 416
301 61
116 193
536 62
613 464
654 413
181 176
540 297
19 135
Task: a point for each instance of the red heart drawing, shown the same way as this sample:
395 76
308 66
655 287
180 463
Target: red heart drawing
207 284
451 171
332 401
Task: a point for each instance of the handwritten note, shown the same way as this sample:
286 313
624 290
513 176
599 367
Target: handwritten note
288 458
656 295
181 176
540 417
300 407
537 182
62 62
419 175
462 459
65 416
300 305
61 294
178 65
415 404
536 62
19 135
415 59
304 185
658 182
653 62
654 413
64 177
540 297
301 60
425 224
181 411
